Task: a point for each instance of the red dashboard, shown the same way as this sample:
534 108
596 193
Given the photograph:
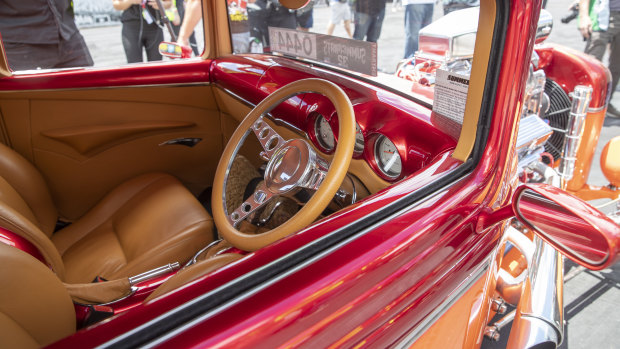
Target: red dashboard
395 135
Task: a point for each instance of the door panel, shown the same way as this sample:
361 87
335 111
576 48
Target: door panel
87 142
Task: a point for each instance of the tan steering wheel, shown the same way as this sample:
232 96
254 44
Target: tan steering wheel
292 164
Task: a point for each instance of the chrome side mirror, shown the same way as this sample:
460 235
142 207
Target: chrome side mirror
545 24
569 224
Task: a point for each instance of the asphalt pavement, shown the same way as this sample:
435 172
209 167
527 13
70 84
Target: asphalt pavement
591 299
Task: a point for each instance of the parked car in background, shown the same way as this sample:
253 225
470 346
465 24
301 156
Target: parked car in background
295 197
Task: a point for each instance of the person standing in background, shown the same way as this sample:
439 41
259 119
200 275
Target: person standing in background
455 5
239 25
176 13
305 19
369 15
418 14
599 23
340 12
50 39
191 17
263 14
140 29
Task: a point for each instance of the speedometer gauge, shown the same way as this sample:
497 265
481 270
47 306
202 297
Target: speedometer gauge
359 140
387 157
324 133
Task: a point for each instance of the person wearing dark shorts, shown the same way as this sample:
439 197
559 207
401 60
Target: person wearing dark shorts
140 29
305 20
369 15
42 34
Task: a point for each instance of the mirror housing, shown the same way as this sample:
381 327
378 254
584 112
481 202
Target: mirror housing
569 224
174 50
545 24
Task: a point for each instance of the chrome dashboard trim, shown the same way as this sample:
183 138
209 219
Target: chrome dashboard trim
191 84
277 121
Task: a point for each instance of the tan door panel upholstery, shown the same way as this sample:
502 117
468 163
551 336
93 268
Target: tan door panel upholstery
87 142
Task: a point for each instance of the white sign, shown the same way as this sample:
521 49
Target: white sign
450 95
293 42
355 55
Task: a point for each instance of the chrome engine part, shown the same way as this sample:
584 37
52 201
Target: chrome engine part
557 117
536 101
582 95
539 320
533 131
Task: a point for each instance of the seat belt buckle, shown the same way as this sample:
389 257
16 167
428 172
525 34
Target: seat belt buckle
97 313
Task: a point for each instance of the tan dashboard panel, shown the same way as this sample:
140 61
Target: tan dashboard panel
231 105
87 142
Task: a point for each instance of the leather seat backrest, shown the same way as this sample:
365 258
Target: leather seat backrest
35 308
24 189
12 220
26 206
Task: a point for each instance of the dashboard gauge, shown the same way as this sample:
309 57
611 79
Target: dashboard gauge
324 133
387 157
359 140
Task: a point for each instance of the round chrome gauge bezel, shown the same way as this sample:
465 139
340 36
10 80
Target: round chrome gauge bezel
324 134
382 162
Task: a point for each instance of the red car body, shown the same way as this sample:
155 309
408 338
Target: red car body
414 264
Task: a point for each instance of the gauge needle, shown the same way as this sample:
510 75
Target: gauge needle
392 160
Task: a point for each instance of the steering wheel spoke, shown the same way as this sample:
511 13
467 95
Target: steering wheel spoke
316 175
257 200
269 139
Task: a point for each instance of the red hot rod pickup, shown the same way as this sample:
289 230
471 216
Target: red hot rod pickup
295 197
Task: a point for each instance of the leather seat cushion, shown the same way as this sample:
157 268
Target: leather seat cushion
146 222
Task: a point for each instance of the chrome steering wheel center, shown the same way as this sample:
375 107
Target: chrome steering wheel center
289 167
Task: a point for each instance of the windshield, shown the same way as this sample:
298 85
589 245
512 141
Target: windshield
400 44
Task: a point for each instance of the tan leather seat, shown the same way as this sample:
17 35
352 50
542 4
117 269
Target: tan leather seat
35 308
144 223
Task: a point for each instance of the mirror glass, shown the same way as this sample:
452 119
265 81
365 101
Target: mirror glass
563 224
